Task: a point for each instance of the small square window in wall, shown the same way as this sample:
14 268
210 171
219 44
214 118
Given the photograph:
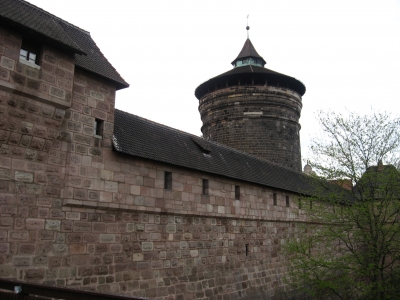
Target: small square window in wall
287 201
205 186
98 127
237 192
29 54
274 198
168 180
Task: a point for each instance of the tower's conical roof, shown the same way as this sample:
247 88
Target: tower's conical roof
249 69
248 51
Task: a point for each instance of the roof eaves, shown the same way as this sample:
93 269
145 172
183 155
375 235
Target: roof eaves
55 31
139 137
248 50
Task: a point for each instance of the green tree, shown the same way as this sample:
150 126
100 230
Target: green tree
349 245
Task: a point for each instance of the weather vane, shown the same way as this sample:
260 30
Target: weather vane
247 27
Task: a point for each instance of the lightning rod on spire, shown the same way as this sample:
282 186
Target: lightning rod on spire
247 27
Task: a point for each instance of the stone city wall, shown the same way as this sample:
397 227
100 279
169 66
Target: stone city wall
75 213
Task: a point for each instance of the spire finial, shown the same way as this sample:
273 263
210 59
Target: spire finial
247 27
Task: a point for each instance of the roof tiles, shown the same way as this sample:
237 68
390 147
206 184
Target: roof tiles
248 50
88 56
140 137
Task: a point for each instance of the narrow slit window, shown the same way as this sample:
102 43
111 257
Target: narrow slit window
274 198
98 127
168 180
237 192
205 186
299 203
287 201
247 249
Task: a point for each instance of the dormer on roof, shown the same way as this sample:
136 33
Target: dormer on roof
248 56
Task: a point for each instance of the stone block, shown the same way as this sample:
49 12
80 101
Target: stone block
4 248
116 248
7 271
47 235
4 74
7 63
33 189
90 238
35 224
60 249
139 200
106 197
9 210
27 248
97 95
147 246
72 216
40 260
53 225
57 92
55 262
80 194
101 270
5 174
81 226
130 227
5 163
77 249
170 228
107 238
85 271
23 176
111 186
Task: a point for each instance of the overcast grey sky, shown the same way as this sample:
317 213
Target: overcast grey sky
347 53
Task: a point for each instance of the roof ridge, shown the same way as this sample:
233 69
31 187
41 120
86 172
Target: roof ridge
102 54
156 123
54 16
212 142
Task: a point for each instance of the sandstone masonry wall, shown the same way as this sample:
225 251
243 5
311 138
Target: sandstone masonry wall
257 119
73 212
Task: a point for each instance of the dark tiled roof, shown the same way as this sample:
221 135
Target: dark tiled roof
24 15
248 50
251 69
140 137
253 72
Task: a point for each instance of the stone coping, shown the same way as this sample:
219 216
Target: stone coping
124 207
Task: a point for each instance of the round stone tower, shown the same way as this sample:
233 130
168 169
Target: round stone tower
254 109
